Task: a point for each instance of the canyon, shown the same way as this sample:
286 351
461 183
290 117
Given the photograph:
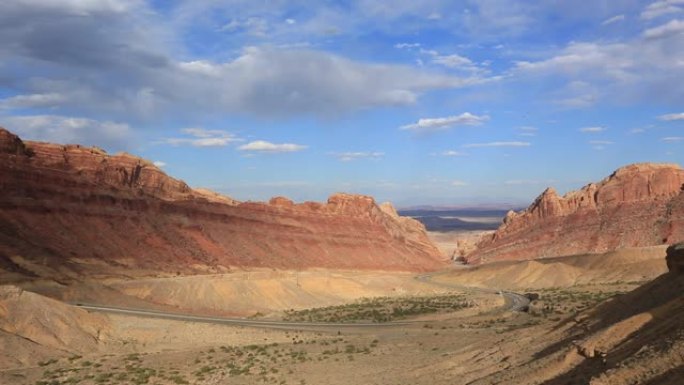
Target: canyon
638 205
68 210
81 227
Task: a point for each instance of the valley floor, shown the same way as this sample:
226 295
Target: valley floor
600 332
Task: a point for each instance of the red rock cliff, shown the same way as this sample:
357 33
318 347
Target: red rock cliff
638 205
63 205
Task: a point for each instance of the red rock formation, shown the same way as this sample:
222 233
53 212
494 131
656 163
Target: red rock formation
62 205
638 205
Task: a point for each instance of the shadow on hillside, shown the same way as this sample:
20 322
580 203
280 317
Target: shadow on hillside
647 298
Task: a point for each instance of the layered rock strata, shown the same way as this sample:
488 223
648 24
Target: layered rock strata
72 207
638 205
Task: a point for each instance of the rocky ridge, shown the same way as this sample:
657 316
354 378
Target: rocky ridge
66 208
638 205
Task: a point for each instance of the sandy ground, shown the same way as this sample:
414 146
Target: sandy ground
582 330
449 242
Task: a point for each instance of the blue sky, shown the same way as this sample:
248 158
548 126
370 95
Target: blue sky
416 102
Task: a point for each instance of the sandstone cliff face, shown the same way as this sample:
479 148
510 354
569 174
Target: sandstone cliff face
63 205
638 205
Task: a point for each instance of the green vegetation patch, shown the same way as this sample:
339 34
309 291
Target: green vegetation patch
381 309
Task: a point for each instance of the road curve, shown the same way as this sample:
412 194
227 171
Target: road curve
513 302
238 321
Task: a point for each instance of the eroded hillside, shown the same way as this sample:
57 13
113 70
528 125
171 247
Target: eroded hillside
66 210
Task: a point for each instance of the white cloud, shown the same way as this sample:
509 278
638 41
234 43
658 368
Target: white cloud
32 101
498 144
661 8
74 130
159 163
600 142
629 72
406 45
268 147
453 61
459 183
673 27
255 26
592 130
452 153
671 117
637 131
125 63
613 19
433 124
349 156
200 137
577 58
672 139
527 131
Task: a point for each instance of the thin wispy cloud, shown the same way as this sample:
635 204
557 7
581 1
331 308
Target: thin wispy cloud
268 147
601 142
436 124
662 8
498 144
351 156
459 183
71 130
673 139
613 20
673 27
592 130
672 117
200 137
452 153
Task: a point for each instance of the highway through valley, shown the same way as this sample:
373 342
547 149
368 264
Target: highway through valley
513 302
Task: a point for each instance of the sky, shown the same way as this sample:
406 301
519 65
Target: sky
429 102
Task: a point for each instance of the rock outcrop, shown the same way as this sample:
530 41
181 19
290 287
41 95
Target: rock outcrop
675 258
69 208
638 205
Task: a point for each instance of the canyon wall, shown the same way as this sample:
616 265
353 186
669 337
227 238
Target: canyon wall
72 208
638 205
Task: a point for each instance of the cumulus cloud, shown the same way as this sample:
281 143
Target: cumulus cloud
592 130
159 163
71 130
631 71
498 144
268 147
671 117
434 124
350 156
200 137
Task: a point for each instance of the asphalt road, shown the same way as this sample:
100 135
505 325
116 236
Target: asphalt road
239 321
513 302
